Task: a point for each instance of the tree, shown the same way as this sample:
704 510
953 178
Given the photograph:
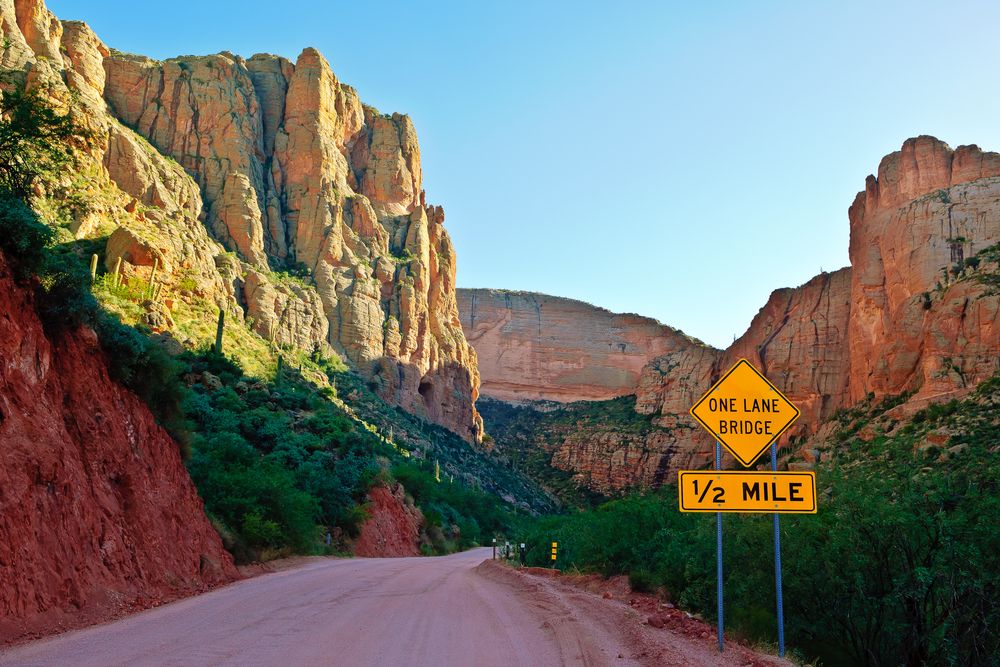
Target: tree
36 139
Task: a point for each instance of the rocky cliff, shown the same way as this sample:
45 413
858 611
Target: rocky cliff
97 511
267 189
537 347
917 323
295 173
916 314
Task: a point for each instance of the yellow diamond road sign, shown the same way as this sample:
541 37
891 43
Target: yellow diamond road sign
745 412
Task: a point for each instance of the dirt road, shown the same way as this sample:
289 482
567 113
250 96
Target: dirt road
405 611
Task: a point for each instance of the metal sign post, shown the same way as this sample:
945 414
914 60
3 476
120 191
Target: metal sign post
718 549
746 413
777 563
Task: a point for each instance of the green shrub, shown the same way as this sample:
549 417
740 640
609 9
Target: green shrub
23 236
133 289
642 580
67 301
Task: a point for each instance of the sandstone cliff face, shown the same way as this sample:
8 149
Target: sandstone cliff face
909 316
96 508
144 201
929 209
295 171
799 340
537 347
280 164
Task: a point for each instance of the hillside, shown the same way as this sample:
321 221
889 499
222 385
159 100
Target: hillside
897 567
97 508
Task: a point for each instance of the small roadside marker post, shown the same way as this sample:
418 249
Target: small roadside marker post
494 548
747 414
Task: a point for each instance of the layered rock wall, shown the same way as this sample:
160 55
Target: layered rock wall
297 174
537 347
915 324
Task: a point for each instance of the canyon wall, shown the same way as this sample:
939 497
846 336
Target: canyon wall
267 189
296 173
914 314
97 511
537 347
917 323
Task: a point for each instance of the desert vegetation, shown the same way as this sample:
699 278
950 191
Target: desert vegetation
900 566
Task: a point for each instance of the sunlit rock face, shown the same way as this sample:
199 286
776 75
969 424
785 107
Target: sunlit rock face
296 173
917 324
538 347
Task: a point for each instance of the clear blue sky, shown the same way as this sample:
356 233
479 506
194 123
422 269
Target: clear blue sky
676 160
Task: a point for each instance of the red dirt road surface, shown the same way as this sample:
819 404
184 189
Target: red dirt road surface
452 610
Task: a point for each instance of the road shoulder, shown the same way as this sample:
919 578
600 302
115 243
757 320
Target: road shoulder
611 631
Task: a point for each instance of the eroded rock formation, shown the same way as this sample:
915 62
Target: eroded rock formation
280 164
393 525
916 325
296 172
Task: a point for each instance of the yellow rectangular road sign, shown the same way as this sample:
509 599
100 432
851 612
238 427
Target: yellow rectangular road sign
745 412
735 491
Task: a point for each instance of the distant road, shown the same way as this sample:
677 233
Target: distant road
406 612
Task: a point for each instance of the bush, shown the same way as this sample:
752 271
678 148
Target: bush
477 515
67 302
23 237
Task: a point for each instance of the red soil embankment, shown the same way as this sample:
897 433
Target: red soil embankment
97 513
392 527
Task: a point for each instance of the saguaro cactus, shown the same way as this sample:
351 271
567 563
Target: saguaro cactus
93 267
117 275
152 277
437 471
219 331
